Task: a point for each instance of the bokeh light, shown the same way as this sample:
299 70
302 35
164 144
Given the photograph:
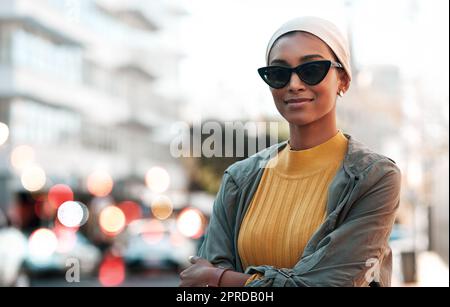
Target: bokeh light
162 207
112 271
67 237
73 214
4 133
42 243
131 210
100 183
177 239
22 156
33 178
157 179
112 220
44 210
153 231
190 223
59 194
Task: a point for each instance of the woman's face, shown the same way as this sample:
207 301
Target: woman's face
292 50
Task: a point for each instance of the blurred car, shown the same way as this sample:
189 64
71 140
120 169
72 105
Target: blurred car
55 251
13 249
155 244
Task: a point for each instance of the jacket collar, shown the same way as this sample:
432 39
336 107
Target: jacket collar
357 158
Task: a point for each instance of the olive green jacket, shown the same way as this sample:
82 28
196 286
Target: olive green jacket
349 249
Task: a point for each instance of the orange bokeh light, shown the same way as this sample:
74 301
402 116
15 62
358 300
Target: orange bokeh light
157 179
162 207
190 223
33 178
22 156
100 183
112 220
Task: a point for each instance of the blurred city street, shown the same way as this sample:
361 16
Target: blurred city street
150 280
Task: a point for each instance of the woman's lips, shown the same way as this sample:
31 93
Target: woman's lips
298 101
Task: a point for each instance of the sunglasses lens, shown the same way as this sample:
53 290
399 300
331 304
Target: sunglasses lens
313 73
276 77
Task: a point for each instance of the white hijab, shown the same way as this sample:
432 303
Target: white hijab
323 29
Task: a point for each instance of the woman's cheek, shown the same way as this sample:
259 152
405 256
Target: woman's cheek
278 96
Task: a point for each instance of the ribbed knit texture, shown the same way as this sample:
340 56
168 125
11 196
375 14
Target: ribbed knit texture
289 204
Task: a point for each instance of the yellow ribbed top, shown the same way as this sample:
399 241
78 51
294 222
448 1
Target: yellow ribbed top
289 204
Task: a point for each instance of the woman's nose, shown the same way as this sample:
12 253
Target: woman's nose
295 84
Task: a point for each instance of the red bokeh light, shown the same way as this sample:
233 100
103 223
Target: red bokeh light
112 271
59 194
44 210
131 210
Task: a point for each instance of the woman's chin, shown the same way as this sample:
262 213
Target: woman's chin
298 119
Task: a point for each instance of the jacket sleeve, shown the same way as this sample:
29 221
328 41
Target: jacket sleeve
352 254
218 243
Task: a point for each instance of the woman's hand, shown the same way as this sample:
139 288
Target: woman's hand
198 274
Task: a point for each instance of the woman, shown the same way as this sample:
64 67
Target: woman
320 210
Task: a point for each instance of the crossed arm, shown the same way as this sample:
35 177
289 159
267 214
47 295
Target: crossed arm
202 273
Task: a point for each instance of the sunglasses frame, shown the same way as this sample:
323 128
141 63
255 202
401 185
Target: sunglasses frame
297 70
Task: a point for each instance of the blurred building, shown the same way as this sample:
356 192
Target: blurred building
372 108
87 84
386 110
